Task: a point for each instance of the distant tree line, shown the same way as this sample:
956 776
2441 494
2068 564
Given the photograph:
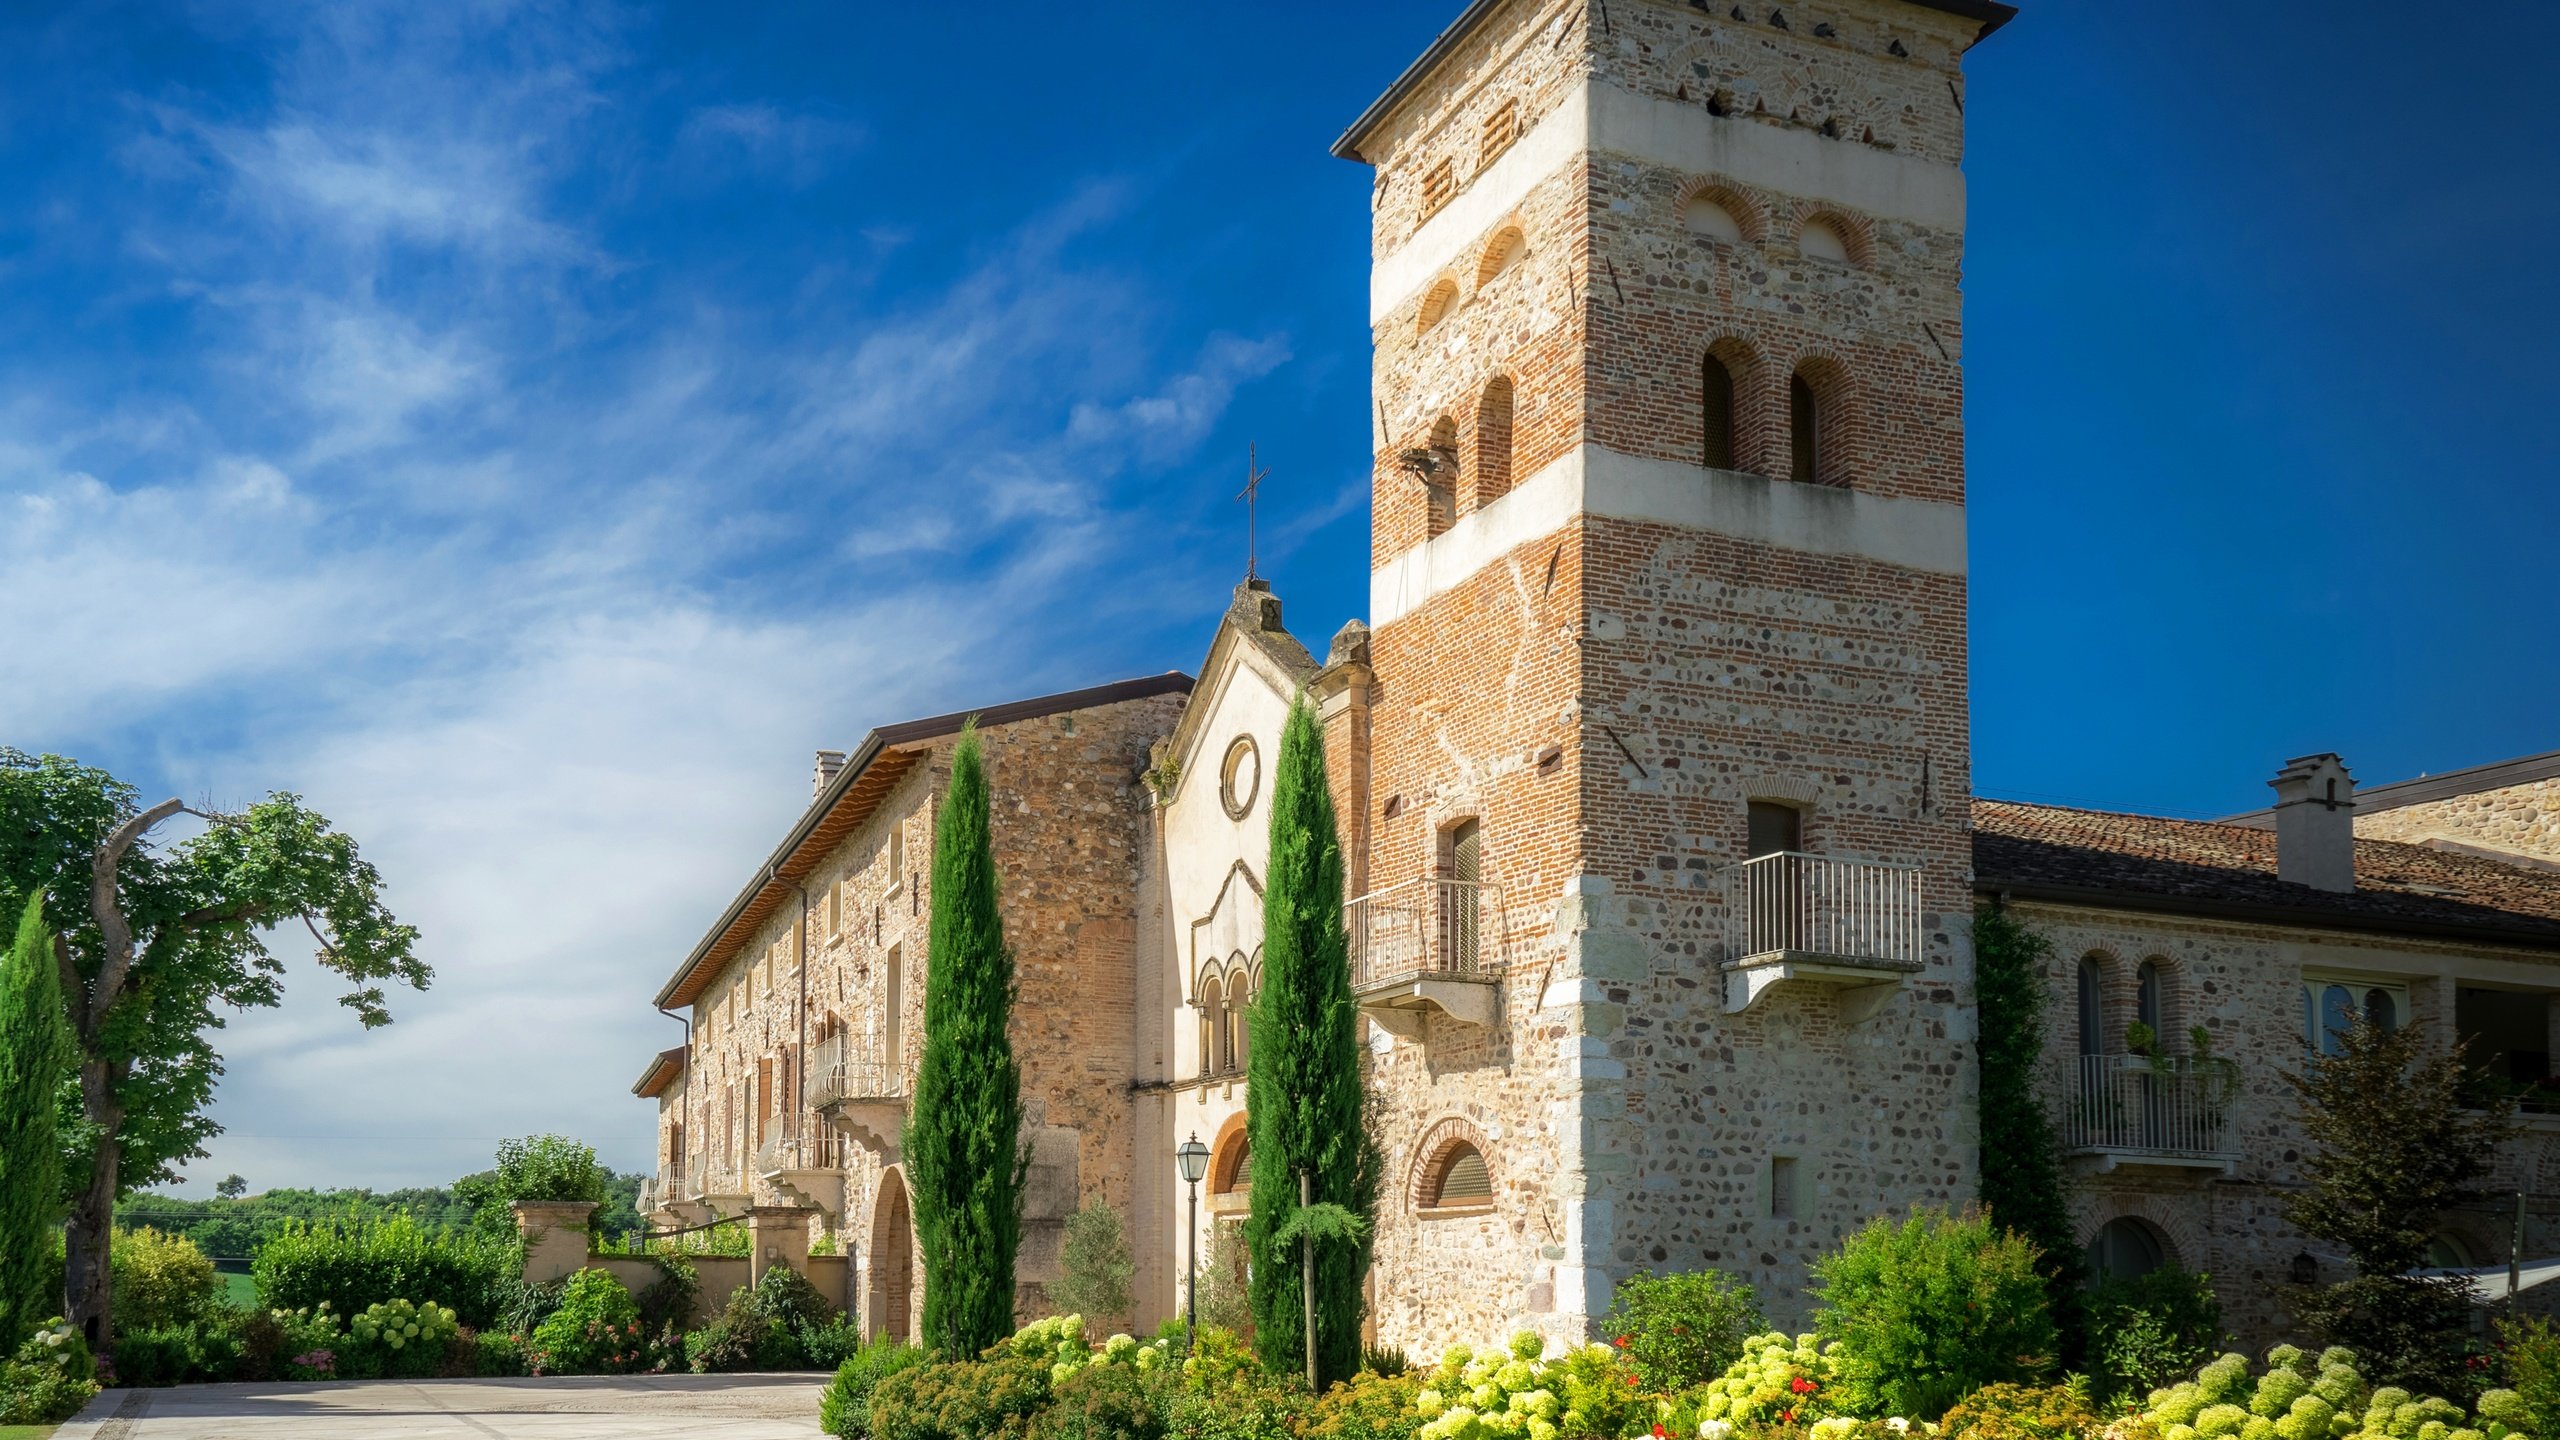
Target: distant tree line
236 1225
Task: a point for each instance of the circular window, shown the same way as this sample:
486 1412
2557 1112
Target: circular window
1240 777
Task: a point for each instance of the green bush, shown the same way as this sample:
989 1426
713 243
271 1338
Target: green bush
496 1354
844 1410
161 1281
2023 1412
961 1400
785 1294
1384 1360
2150 1331
352 1267
743 1336
1917 1315
164 1355
1368 1406
1094 1265
1681 1331
1107 1402
2531 1350
537 1167
1778 1381
596 1330
669 1300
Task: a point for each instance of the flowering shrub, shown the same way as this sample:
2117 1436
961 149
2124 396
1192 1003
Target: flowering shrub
2023 1412
1919 1313
48 1379
1777 1381
1519 1393
596 1331
2322 1397
400 1337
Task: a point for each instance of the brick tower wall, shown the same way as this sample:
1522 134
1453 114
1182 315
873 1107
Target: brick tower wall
1604 658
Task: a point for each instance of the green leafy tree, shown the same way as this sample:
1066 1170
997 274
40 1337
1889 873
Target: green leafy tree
150 937
2397 1143
35 1055
537 1167
964 1152
231 1187
2021 1158
1094 1264
1302 1081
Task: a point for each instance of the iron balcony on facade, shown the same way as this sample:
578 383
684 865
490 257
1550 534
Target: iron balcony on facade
715 1189
853 1085
2160 1113
1425 946
662 1192
803 1165
1818 921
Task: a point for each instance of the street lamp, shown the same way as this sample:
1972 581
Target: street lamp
1193 1158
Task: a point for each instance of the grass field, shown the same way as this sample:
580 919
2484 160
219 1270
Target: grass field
25 1432
238 1291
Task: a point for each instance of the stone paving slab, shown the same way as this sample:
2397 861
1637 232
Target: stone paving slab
588 1407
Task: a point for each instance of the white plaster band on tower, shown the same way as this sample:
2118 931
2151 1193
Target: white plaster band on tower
1607 120
1591 479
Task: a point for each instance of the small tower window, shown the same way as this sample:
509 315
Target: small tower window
1459 1178
1782 1187
1500 129
1804 422
1820 240
1436 304
1439 183
1493 441
1213 1026
1500 253
2149 998
1773 828
1716 407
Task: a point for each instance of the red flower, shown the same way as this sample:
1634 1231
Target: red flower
1786 1417
1620 1342
1659 1432
1800 1385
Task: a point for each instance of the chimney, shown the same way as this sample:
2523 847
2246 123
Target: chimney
829 762
2316 823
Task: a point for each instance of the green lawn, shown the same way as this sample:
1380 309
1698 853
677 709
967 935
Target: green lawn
238 1291
25 1432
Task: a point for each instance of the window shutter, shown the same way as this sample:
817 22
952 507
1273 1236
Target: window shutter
1464 1180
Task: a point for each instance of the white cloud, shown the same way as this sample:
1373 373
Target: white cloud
1179 415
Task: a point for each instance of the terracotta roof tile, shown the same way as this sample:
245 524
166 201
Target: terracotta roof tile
2155 863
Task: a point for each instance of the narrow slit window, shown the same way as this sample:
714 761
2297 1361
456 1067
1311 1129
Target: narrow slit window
1804 419
1782 1187
1716 410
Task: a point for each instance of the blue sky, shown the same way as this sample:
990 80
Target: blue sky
530 431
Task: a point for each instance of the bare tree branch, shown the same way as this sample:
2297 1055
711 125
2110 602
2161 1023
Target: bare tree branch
116 953
327 947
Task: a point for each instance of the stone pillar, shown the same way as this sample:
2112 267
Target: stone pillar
555 1237
777 1235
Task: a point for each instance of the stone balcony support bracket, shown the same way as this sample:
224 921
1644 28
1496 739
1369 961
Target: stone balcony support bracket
1402 1009
1863 986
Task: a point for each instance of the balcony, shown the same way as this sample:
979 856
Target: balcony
2164 1114
714 1188
1425 946
1819 922
856 1089
662 1192
803 1165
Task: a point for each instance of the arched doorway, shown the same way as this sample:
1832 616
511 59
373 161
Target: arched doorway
893 1263
2126 1248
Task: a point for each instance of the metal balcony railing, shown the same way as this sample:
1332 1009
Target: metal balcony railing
1819 905
712 1180
851 1068
1424 929
2132 1103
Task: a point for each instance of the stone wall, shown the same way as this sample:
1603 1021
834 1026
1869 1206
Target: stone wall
2521 819
2243 984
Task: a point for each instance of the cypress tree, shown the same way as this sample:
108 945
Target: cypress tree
34 1051
964 1157
2021 1160
1302 1081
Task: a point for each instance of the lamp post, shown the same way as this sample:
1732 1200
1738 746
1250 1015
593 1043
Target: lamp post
1193 1158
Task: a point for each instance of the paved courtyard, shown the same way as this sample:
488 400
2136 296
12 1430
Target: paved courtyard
590 1407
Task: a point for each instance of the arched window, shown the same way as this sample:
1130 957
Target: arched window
1804 425
1440 483
1458 1178
1436 304
2381 1011
1213 1013
1240 998
2447 1252
2126 1249
1231 1169
1716 409
1500 254
2330 1014
1493 441
1821 240
2148 997
2093 1036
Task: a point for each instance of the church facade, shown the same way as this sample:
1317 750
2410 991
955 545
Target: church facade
1653 764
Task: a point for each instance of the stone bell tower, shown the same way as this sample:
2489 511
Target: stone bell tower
1668 859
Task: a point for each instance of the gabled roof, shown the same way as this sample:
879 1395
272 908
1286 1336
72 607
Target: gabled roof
1990 14
1252 623
663 1071
2215 868
869 774
2447 785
